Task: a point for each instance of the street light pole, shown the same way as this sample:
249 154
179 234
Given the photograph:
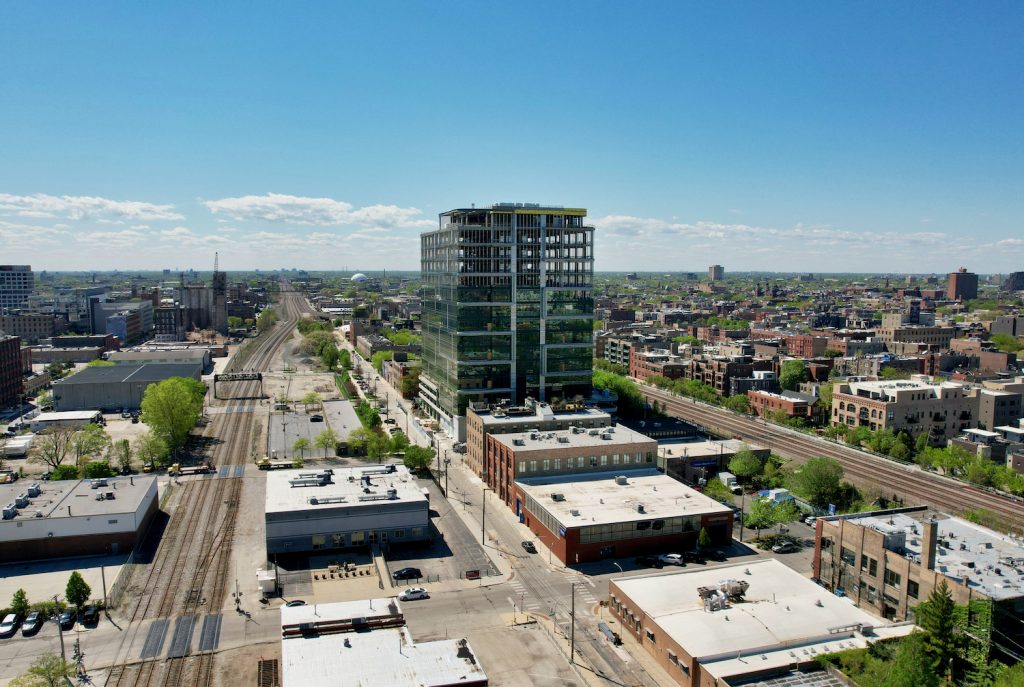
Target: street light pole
572 627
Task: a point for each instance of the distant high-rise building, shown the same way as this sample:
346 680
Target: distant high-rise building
1014 282
508 308
16 285
963 285
716 273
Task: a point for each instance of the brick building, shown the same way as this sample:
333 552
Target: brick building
646 364
915 406
963 285
768 404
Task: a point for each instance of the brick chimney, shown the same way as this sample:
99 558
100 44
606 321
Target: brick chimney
929 543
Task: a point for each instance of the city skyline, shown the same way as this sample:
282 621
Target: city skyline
809 139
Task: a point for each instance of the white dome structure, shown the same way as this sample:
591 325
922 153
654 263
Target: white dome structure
359 276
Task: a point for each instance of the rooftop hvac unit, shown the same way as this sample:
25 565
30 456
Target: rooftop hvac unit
109 495
518 442
610 430
577 430
21 500
534 436
558 497
10 512
34 490
606 437
97 483
392 494
563 440
621 479
594 432
640 508
574 512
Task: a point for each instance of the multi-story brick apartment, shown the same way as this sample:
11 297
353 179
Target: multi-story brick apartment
507 457
31 327
963 285
768 404
889 561
916 406
483 420
646 364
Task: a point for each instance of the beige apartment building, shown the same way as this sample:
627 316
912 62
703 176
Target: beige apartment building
944 410
898 336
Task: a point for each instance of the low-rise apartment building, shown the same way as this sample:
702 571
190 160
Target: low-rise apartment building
916 406
889 561
768 404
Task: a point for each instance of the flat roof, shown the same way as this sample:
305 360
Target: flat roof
344 490
780 609
598 498
56 498
541 412
147 372
676 447
371 657
193 353
965 550
544 440
65 415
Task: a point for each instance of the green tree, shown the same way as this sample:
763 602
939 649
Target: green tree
151 449
410 384
418 458
297 462
96 469
100 362
63 472
738 403
20 604
937 617
399 442
89 442
52 446
704 539
921 443
122 452
300 446
234 322
900 452
345 358
265 320
329 356
761 515
77 591
1013 676
894 373
172 407
312 399
786 512
745 464
378 358
819 480
378 446
1007 343
357 440
912 666
49 670
327 440
793 373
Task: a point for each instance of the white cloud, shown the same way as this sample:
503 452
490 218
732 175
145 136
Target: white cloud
279 207
41 205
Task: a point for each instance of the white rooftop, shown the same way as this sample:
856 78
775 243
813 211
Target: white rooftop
700 448
371 656
539 412
65 415
964 550
781 608
346 488
598 499
567 438
74 498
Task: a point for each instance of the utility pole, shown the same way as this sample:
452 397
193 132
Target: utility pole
743 502
103 578
60 630
483 517
572 627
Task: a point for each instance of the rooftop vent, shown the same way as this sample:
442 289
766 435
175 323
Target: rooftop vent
621 480
640 508
606 437
563 440
518 442
558 497
97 483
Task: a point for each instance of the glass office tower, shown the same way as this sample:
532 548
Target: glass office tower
508 308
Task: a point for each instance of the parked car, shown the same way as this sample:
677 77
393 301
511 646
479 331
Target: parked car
672 559
295 603
90 615
316 418
406 574
66 620
9 625
529 546
716 555
786 547
33 623
390 421
694 557
810 520
413 593
649 562
125 415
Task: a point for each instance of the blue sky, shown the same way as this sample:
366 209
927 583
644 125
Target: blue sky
785 136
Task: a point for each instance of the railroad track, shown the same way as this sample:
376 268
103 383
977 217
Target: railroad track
190 569
911 483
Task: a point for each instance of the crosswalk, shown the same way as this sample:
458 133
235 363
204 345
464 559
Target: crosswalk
523 600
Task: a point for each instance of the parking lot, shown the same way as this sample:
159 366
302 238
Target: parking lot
288 426
43 580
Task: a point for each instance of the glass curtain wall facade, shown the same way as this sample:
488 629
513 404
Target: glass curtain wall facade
508 308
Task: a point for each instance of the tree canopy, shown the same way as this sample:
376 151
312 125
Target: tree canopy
78 590
172 407
819 480
49 670
745 464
